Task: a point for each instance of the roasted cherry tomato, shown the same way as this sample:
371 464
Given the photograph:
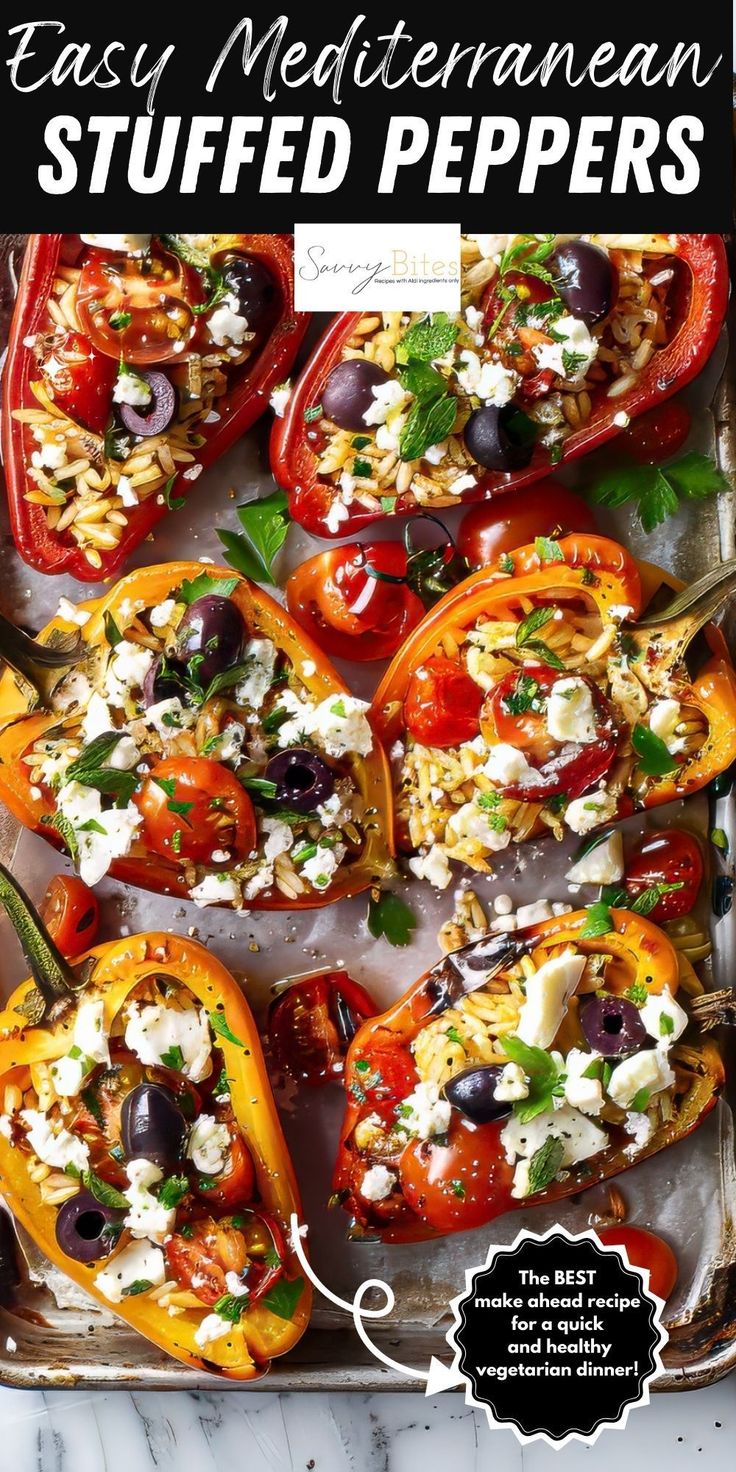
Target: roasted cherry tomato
193 808
572 768
547 509
71 914
442 706
200 1259
80 380
235 1185
311 1024
645 1250
450 1186
669 856
138 310
659 434
353 602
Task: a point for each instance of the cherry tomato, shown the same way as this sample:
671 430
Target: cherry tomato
71 914
459 1185
80 381
645 1250
547 509
658 434
138 310
200 1260
192 807
235 1185
572 768
350 613
669 856
312 1023
442 706
382 1075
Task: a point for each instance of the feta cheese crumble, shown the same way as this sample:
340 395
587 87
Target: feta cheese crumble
208 1145
139 1262
377 1183
152 1031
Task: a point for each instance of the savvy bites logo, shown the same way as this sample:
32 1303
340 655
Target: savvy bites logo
374 267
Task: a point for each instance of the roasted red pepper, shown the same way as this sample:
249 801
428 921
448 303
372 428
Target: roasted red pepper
405 1175
696 314
312 1023
245 398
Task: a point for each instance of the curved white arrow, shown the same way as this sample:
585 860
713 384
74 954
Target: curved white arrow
439 1377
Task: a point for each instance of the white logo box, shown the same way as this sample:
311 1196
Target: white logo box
376 268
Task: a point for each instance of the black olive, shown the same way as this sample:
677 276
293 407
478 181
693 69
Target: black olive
9 1271
612 1026
492 438
213 627
85 1229
348 392
251 286
472 1093
587 280
152 1125
155 416
302 779
162 682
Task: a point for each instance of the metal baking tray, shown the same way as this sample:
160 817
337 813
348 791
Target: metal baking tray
688 1192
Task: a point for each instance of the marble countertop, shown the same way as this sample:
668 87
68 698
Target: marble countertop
82 1432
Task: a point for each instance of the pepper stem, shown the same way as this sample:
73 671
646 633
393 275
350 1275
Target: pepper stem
55 980
39 664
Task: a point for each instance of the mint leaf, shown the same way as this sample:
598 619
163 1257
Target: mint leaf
523 697
103 1192
533 622
390 917
426 425
432 337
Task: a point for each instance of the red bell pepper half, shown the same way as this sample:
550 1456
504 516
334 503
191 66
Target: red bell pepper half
696 305
249 383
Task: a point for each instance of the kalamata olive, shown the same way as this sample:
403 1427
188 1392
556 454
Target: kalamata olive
212 627
160 684
85 1229
472 1092
491 437
348 392
155 416
586 279
612 1026
250 284
302 779
152 1125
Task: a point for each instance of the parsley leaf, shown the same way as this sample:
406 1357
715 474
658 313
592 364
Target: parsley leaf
654 758
545 1163
173 1058
390 917
172 1190
657 491
548 550
265 522
542 1073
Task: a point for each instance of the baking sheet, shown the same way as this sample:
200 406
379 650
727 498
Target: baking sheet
688 1192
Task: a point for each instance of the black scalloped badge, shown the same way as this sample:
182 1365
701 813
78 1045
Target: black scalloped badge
557 1337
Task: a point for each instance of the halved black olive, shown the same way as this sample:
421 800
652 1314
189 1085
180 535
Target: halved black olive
85 1229
499 439
472 1093
587 280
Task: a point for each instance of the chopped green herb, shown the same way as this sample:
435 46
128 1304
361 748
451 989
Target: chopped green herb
599 921
218 1023
506 563
430 338
523 697
284 1297
458 1189
112 632
174 503
545 1163
720 839
173 1058
640 1100
172 1191
548 550
359 441
637 993
666 1025
231 1307
141 1285
362 469
104 1192
654 758
313 413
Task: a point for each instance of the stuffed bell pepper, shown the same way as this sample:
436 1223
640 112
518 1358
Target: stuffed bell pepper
561 341
185 736
134 361
140 1145
521 1069
533 700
